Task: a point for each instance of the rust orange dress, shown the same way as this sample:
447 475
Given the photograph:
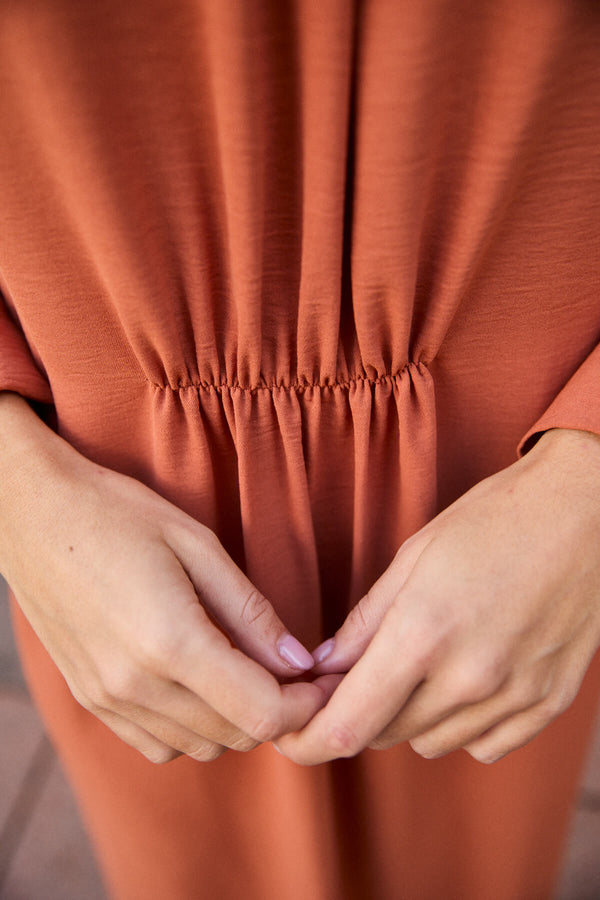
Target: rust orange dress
310 270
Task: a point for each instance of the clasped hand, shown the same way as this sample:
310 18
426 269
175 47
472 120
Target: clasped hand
480 631
477 635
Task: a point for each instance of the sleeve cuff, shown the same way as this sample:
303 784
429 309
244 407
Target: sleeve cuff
577 406
18 369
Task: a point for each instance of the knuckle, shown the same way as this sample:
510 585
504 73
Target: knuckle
254 607
266 729
159 756
342 741
208 546
558 701
529 690
485 755
412 544
83 698
424 648
209 538
423 656
381 743
242 743
477 682
85 702
97 696
156 652
427 634
120 684
359 615
423 748
207 752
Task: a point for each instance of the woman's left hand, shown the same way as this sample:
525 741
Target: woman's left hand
480 631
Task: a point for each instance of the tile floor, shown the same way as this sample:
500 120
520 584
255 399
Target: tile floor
44 853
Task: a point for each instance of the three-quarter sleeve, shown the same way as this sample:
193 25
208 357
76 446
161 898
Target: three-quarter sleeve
577 405
18 369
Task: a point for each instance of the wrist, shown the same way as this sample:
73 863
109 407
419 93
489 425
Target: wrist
576 446
32 459
568 460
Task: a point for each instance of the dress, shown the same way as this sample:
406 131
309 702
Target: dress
310 270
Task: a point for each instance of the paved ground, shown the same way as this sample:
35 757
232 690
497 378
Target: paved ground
44 853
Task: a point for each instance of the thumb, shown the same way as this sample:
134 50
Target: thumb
237 605
344 649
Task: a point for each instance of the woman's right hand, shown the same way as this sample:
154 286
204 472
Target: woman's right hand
124 589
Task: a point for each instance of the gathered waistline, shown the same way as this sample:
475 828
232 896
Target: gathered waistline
297 386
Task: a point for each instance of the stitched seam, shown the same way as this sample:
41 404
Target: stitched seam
298 386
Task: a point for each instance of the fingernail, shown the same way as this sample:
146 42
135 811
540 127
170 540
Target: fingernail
323 650
294 653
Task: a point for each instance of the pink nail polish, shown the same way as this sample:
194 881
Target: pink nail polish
323 650
294 654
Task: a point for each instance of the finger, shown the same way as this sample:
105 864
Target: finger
195 680
452 734
179 718
458 701
203 749
208 735
456 730
547 686
339 653
329 683
366 700
219 734
149 746
237 605
236 687
471 718
179 644
519 729
509 735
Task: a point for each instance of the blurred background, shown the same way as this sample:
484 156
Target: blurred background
44 852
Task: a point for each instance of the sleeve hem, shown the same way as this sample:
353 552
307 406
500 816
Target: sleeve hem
577 405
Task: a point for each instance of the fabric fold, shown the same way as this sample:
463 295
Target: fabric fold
279 542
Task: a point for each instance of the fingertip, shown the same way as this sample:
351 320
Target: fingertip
294 654
324 650
331 658
328 684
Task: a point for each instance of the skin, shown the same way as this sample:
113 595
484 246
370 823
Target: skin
480 631
123 588
477 635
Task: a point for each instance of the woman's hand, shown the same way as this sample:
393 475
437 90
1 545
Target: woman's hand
123 590
480 631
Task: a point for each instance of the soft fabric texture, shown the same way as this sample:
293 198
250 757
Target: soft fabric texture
310 270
